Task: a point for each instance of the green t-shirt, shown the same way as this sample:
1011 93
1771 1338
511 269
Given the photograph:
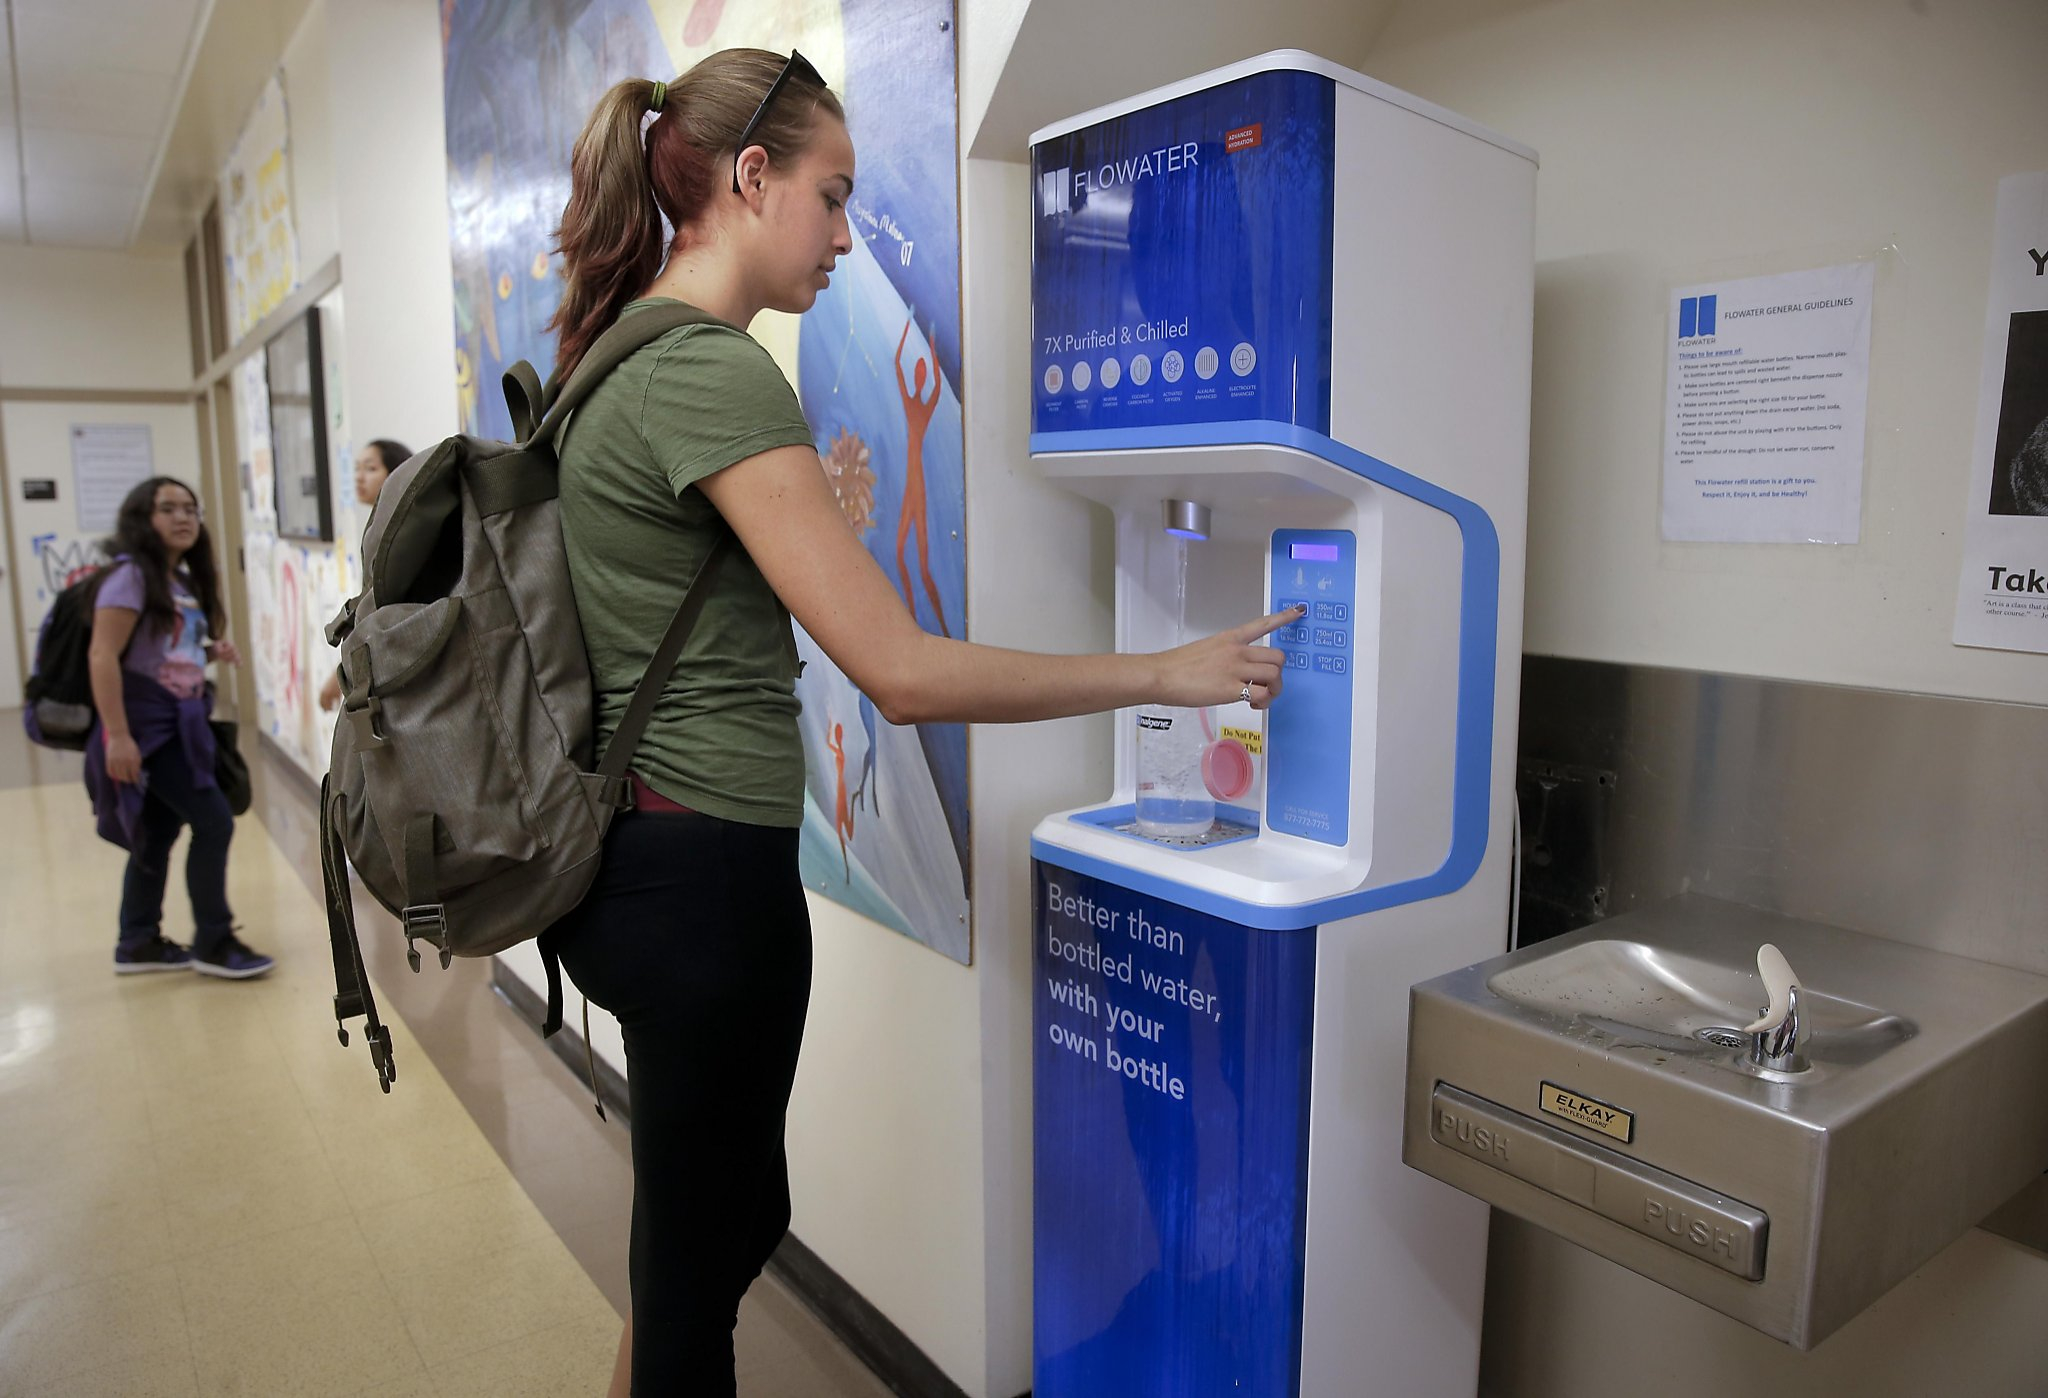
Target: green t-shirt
723 739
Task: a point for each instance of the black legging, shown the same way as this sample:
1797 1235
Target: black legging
697 937
173 799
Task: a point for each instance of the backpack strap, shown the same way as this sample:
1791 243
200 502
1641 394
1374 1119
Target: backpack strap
524 400
631 333
619 751
527 477
351 983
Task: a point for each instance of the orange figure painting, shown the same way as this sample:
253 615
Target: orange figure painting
842 814
917 413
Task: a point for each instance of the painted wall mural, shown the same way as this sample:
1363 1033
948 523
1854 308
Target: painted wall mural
876 362
295 586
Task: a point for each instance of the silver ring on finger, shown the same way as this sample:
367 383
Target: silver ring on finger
1244 696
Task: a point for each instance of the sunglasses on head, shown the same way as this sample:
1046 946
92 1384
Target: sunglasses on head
801 67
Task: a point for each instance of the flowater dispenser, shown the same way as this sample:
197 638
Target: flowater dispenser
1281 329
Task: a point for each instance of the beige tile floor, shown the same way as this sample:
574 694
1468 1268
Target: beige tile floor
201 1193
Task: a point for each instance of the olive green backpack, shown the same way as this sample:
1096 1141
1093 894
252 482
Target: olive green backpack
461 785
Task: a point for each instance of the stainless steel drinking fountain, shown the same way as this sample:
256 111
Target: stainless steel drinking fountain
1784 1155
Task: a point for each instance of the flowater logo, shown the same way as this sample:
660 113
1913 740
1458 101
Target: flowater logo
1696 315
1130 169
1052 192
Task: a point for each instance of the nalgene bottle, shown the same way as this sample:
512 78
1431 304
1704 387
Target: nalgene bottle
1173 800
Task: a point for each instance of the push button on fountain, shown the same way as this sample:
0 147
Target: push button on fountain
1331 636
1653 1203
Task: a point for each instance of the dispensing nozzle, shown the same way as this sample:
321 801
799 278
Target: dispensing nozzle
1186 519
1774 1034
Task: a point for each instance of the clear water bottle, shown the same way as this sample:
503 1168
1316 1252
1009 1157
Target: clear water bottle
1173 800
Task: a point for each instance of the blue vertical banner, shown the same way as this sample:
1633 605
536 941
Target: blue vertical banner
1171 1082
1181 261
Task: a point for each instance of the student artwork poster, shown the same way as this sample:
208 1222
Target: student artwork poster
876 362
2002 593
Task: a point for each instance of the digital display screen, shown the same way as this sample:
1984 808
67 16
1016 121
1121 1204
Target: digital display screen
1312 553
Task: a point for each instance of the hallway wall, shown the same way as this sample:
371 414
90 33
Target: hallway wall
1683 144
90 327
77 319
1737 138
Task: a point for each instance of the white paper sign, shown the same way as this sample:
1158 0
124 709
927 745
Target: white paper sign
262 252
1765 385
2002 597
107 461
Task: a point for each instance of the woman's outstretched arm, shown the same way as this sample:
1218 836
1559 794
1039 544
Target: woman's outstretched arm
782 508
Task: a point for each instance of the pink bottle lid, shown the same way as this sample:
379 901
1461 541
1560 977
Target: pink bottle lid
1227 769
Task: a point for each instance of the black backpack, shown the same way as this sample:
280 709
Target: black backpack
57 700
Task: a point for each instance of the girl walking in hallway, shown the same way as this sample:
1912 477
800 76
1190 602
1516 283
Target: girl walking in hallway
156 622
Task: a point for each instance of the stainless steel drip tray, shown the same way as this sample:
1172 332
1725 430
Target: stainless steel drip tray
1698 1222
1600 1085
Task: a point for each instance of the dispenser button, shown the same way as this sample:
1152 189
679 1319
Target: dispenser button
1327 611
1296 634
1331 636
1284 604
1296 659
1330 664
1339 611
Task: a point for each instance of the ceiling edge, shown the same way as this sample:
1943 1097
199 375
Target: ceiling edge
163 142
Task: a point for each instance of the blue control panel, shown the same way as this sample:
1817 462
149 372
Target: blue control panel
1308 733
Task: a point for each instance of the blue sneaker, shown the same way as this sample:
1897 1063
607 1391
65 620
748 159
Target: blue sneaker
143 957
232 961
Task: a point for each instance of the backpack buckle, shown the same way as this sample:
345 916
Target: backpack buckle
380 1055
343 621
364 722
427 922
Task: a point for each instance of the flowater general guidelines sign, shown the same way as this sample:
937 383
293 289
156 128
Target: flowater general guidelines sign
1766 384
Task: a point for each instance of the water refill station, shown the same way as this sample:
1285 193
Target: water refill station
1281 328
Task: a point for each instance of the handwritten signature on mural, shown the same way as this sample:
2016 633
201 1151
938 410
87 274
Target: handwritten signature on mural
884 227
